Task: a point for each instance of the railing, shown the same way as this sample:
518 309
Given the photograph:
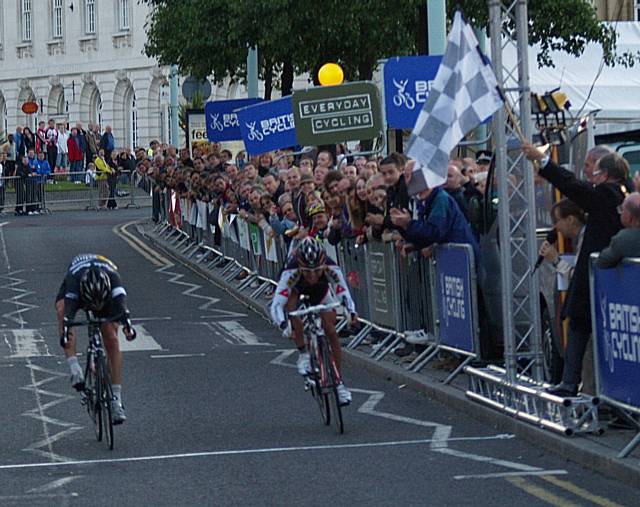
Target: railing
68 191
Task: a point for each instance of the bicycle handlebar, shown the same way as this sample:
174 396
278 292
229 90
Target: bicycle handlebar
89 321
314 309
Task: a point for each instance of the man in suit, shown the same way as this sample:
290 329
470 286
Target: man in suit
627 242
600 199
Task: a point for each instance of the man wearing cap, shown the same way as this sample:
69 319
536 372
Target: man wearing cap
483 160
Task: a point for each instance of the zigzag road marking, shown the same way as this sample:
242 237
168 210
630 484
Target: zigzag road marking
441 432
16 315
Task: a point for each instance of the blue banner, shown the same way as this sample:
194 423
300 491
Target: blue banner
267 126
222 120
455 292
407 81
616 318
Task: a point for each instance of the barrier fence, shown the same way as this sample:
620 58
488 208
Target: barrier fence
393 294
615 314
67 191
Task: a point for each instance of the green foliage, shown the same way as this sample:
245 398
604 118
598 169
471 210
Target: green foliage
197 102
210 37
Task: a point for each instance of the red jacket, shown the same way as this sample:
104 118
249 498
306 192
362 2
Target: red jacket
75 155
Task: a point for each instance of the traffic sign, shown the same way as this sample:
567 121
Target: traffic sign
30 107
333 114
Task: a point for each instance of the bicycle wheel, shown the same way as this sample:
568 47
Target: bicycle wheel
333 392
92 399
106 396
317 391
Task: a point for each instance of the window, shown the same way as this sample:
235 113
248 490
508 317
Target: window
90 16
123 11
58 8
25 11
636 11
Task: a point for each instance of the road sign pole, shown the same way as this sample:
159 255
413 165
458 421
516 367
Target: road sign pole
252 73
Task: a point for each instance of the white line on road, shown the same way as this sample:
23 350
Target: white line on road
140 319
500 475
238 452
487 459
58 483
163 356
3 224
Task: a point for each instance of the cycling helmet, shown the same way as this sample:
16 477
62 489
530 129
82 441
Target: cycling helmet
95 288
310 253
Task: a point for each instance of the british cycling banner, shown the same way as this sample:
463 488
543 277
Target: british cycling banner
407 81
455 289
222 119
615 310
267 126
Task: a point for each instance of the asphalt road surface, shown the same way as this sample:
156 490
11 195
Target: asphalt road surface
216 413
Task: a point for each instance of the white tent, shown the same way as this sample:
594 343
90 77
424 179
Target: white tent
616 92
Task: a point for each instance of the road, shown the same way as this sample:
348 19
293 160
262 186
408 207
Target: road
216 412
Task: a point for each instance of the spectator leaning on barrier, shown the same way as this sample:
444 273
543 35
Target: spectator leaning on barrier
625 243
600 200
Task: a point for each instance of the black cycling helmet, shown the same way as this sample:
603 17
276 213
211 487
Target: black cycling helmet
310 253
95 288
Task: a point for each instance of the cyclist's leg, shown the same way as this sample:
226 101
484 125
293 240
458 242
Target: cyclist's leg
329 326
110 339
297 329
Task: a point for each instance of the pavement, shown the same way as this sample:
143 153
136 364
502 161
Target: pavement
216 414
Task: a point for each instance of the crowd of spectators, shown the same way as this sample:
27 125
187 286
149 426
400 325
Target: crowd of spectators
51 154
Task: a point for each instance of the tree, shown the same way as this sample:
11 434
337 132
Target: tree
211 37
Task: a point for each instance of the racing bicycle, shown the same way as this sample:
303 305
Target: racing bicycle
97 394
324 378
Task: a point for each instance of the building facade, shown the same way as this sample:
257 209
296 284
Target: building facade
81 60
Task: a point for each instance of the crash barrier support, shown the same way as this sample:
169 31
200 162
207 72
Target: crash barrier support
615 314
66 191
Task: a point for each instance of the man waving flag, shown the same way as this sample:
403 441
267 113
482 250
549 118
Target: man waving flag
463 95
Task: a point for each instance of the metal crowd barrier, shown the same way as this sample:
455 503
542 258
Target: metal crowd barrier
68 191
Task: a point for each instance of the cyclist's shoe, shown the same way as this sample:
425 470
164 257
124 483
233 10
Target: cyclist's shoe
344 396
77 381
117 412
304 364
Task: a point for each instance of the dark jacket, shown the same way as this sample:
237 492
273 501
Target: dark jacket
624 244
603 222
397 197
440 221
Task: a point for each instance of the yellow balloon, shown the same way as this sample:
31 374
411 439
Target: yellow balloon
330 74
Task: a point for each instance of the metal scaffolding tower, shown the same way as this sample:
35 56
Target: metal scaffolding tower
516 220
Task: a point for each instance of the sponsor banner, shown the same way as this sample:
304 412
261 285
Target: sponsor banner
455 289
407 81
267 126
222 119
615 308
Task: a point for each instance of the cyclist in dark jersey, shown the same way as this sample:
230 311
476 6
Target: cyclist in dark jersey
92 283
310 272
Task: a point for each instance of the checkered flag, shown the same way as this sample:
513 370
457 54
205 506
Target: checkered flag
463 95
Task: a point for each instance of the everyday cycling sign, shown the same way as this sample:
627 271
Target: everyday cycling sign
407 81
222 120
333 114
267 126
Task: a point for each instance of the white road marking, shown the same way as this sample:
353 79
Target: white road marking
58 483
26 343
3 224
281 358
171 356
500 475
43 496
144 341
238 452
486 459
141 319
240 333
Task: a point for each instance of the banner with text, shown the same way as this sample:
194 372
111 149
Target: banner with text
407 81
222 119
615 310
455 288
267 126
